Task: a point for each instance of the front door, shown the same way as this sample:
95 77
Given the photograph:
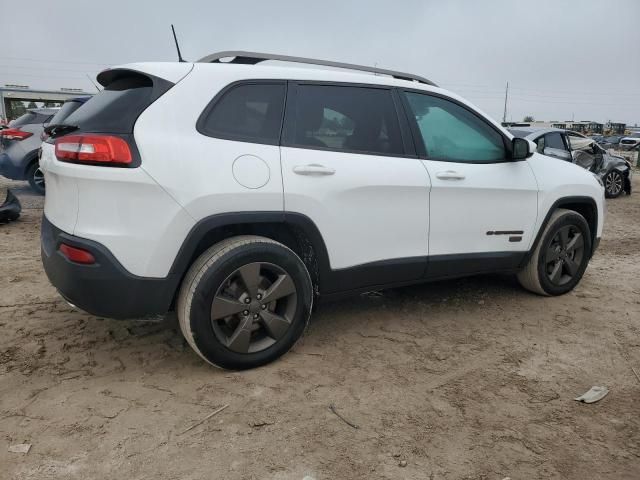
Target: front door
483 206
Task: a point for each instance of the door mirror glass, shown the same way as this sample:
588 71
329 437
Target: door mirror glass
520 149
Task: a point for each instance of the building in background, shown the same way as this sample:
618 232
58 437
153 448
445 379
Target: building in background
16 99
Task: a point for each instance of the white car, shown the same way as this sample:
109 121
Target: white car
238 194
630 142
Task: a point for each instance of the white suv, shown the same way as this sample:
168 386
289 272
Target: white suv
237 194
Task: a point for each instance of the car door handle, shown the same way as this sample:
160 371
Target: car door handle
450 175
313 169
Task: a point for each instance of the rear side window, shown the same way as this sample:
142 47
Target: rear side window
344 118
246 113
554 140
453 133
116 108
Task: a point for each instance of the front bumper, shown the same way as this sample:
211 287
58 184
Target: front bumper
105 288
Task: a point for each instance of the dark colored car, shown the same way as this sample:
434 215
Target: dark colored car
20 143
613 171
611 141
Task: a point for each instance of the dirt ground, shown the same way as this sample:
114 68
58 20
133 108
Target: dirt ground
465 379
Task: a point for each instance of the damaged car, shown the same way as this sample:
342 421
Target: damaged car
613 171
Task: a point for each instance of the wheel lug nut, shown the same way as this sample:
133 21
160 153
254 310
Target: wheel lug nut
259 296
255 315
247 300
263 306
246 313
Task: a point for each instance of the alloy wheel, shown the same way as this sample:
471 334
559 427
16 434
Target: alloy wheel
564 255
613 183
254 307
38 178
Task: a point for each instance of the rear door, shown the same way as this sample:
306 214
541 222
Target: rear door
483 206
346 166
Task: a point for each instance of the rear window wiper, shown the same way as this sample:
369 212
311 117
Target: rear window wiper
59 129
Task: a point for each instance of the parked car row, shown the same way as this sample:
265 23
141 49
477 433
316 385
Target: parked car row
20 142
619 142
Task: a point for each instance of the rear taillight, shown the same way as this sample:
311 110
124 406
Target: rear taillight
100 149
77 255
14 134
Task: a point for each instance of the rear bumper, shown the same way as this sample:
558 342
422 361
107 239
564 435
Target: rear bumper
105 288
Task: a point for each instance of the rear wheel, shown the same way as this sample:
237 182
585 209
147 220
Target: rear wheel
561 256
36 178
245 302
613 184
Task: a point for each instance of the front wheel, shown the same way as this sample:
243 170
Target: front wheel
613 184
561 256
36 178
245 302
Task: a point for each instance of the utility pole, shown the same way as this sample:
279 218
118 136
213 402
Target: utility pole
506 96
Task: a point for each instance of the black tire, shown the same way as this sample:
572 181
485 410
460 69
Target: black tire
36 178
541 274
613 184
271 326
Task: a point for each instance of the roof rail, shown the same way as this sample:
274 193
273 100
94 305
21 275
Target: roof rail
252 58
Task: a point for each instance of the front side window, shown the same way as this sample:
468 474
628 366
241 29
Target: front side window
452 133
249 113
540 143
344 118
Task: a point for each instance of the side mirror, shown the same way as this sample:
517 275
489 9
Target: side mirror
520 149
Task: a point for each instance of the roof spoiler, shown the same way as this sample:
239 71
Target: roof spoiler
252 58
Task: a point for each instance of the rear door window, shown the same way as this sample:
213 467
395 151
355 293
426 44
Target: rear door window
346 118
67 109
247 113
554 140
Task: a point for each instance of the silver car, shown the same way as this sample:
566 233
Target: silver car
20 147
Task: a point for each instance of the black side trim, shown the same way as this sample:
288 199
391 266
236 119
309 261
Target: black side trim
505 232
456 265
558 204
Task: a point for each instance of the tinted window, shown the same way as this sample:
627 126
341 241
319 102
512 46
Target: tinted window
554 140
67 109
451 132
251 113
117 107
353 119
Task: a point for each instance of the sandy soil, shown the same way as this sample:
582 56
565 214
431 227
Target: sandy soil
472 378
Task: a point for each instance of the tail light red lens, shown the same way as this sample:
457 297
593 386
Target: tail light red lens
14 134
101 149
76 255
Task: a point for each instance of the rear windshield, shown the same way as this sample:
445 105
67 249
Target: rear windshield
116 108
67 109
29 118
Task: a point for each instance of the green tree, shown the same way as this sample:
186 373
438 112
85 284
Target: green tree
529 118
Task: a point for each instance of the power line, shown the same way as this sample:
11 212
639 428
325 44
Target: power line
44 60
